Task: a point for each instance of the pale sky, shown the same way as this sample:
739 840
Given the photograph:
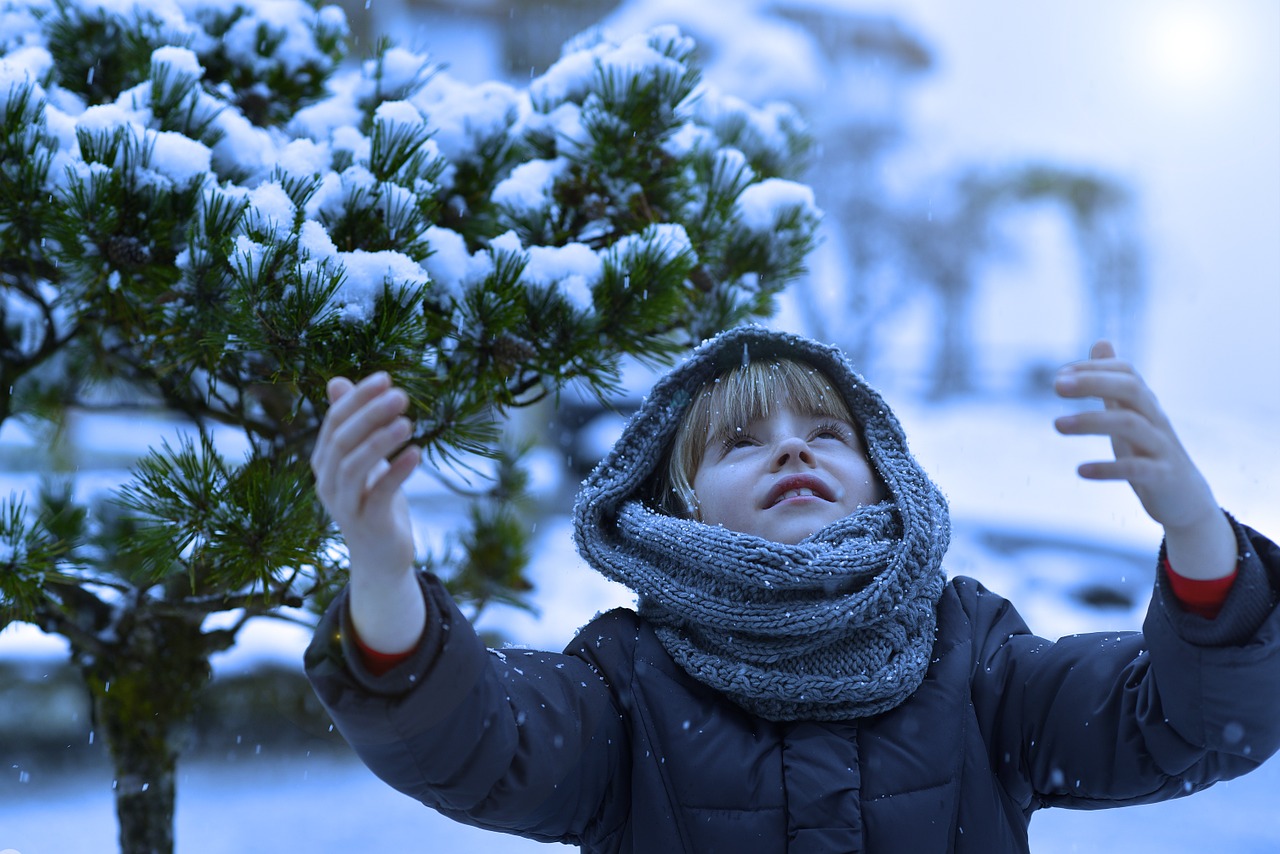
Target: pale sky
1181 97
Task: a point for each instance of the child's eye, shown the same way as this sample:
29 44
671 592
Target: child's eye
831 430
739 438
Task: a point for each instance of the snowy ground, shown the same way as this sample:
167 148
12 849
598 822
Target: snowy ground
329 806
1024 525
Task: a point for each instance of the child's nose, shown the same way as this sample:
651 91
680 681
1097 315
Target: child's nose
792 450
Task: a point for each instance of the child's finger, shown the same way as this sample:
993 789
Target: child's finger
1135 470
375 414
369 436
1117 390
347 400
401 466
337 387
346 481
1133 432
335 390
349 421
354 396
349 405
364 459
1119 366
1102 357
1118 386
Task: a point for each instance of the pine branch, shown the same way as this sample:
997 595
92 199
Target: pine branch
233 297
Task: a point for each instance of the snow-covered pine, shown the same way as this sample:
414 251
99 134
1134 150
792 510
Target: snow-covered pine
205 206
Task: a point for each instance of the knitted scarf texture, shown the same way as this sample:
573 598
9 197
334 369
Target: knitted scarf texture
836 627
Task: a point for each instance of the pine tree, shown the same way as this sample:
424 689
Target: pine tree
204 206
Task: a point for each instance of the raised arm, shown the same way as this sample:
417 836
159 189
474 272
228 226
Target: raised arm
362 491
1199 541
524 742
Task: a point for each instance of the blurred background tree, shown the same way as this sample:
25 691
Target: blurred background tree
206 212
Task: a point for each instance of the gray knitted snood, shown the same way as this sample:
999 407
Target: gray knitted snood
838 626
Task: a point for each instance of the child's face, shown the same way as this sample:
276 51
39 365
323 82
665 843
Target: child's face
784 476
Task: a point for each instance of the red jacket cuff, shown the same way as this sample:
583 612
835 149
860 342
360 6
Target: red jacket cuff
1204 598
376 662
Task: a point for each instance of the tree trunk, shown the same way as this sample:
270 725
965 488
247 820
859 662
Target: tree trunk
144 692
145 795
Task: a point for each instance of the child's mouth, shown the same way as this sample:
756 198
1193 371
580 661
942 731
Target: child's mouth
797 488
796 493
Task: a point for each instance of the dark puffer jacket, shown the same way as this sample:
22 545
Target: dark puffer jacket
612 746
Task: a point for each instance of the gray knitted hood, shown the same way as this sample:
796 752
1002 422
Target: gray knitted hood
837 626
630 467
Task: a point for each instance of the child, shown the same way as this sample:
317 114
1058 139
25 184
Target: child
799 676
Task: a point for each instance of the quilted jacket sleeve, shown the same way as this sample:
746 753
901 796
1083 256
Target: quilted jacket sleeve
519 741
1100 720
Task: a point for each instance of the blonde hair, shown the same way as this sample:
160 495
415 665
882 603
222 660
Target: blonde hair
735 398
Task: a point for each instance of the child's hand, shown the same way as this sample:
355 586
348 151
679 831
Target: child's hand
354 480
1147 453
1149 456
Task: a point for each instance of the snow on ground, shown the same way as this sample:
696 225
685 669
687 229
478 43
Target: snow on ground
333 806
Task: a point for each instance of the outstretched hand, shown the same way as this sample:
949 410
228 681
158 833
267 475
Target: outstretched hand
1147 452
359 481
1150 457
361 489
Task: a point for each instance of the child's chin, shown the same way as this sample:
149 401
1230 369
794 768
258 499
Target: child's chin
795 530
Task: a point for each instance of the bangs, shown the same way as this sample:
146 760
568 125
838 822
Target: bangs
755 392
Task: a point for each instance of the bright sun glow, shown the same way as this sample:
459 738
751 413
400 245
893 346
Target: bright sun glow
1188 50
